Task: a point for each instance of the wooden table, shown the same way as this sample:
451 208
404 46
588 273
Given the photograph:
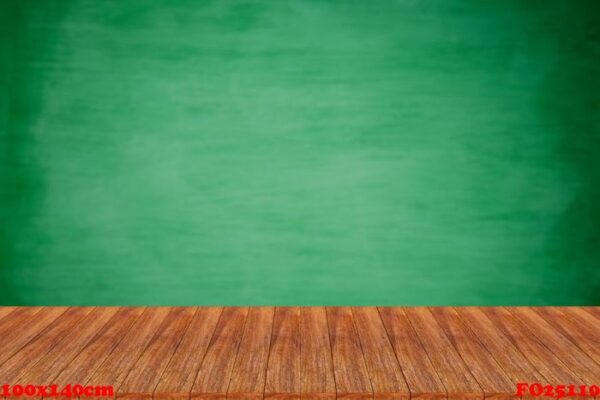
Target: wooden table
295 352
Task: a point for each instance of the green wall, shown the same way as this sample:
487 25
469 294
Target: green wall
300 152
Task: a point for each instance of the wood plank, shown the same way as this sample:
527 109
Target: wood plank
215 373
482 365
4 311
349 368
551 367
582 315
178 378
17 319
578 361
116 367
577 326
453 372
517 367
595 311
384 371
98 350
69 345
297 353
283 370
30 354
317 381
23 331
146 372
421 377
249 371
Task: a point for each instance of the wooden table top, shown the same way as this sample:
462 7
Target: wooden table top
301 352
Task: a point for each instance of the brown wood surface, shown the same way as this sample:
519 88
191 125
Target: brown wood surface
316 363
595 311
421 376
383 368
97 351
147 371
578 326
16 318
214 375
178 378
4 311
117 365
29 355
17 332
456 376
509 358
349 368
552 368
73 341
301 353
283 369
482 365
249 371
569 353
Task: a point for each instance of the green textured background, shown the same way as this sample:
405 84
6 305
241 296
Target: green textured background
300 152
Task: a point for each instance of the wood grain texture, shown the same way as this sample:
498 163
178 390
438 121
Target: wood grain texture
570 354
551 367
97 351
283 369
146 372
116 367
295 353
383 368
249 371
317 380
69 345
19 330
215 373
577 326
17 319
595 311
4 311
509 358
421 377
453 372
351 375
178 378
482 365
580 315
35 350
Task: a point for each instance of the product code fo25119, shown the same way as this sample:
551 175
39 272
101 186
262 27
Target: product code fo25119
556 391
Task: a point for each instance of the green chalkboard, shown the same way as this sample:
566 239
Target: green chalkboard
299 152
